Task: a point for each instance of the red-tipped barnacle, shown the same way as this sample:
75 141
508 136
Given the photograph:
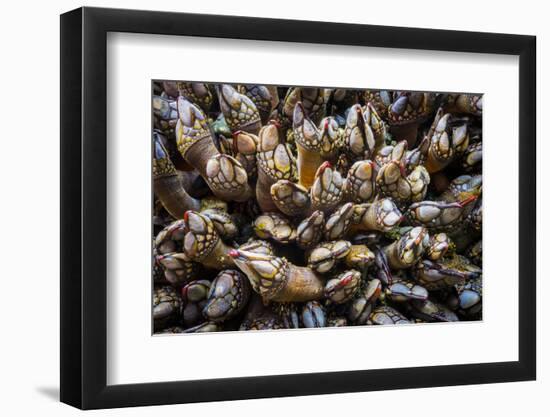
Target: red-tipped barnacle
276 279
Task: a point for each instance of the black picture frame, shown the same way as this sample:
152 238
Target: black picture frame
84 207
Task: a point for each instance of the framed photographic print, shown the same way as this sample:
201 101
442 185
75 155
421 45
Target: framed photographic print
272 191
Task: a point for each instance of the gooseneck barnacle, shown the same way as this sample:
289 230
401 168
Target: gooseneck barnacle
306 207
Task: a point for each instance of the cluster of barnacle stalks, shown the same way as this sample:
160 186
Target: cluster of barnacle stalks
299 207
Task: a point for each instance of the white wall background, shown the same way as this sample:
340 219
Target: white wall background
29 174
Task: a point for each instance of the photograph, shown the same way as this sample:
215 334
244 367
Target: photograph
241 208
298 207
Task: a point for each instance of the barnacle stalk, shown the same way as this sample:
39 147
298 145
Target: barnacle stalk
225 175
193 136
276 279
167 184
308 141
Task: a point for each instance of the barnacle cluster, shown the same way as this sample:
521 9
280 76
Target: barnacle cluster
297 207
